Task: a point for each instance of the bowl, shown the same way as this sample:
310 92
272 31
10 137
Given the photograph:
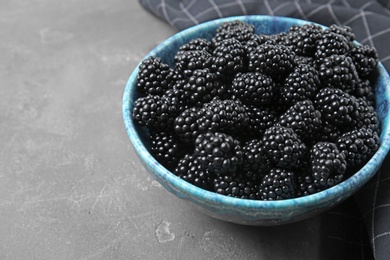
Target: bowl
243 211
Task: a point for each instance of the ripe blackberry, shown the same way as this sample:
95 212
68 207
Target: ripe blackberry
274 60
358 146
331 43
237 187
302 39
190 169
218 152
328 165
255 161
277 39
259 119
165 148
235 26
364 90
365 59
188 61
198 44
306 185
343 30
154 77
239 33
301 84
283 147
337 107
202 86
303 118
155 112
253 88
278 184
222 116
367 116
228 57
338 71
186 126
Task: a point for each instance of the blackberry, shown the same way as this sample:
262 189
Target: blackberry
190 169
328 165
165 148
343 30
278 184
277 39
283 147
331 43
237 187
338 71
222 116
303 118
337 107
154 112
186 126
274 60
202 86
301 84
218 152
154 77
253 88
305 183
197 44
365 59
242 34
259 119
188 61
228 57
235 25
255 161
358 146
302 39
364 90
367 116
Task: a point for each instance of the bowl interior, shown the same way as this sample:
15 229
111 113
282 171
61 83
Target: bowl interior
240 210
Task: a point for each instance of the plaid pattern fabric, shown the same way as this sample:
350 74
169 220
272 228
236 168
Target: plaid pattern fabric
365 219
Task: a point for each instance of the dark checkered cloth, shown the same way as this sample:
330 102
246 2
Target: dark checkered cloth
369 211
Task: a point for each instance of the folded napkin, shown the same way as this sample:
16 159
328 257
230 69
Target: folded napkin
370 21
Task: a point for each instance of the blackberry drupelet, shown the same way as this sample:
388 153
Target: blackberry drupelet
259 119
365 59
253 88
197 44
331 43
303 118
358 146
283 147
328 165
154 112
228 116
165 148
186 126
228 57
278 184
338 71
301 84
202 86
237 187
154 77
219 153
255 161
337 107
276 61
190 169
188 61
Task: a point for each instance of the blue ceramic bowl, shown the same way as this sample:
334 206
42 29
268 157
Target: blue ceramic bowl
242 211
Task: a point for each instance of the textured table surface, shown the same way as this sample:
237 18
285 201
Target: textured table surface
71 186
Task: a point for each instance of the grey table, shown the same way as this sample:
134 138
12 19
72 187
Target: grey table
71 186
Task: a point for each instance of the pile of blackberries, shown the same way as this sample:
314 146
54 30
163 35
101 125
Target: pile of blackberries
263 117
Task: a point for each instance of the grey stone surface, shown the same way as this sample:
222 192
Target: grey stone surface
71 186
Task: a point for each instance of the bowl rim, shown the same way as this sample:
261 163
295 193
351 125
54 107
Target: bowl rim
330 194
